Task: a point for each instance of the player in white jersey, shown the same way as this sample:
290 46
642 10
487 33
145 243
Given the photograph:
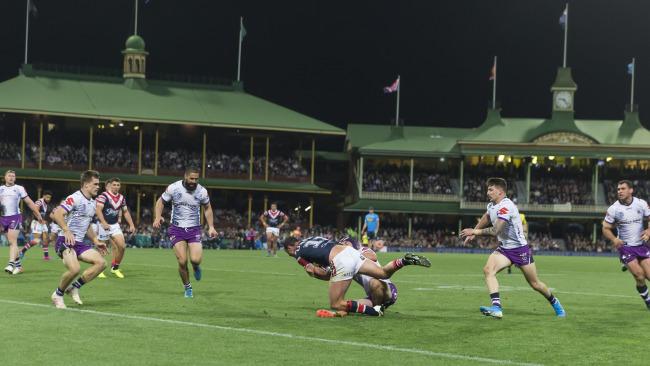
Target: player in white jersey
110 205
629 216
187 197
40 232
11 220
513 247
80 210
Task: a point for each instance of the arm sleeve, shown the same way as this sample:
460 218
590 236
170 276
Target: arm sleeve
124 207
167 195
609 216
23 193
205 199
101 199
646 209
69 204
505 213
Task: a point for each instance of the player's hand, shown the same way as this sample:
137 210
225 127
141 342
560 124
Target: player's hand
310 268
157 222
106 226
69 237
41 221
618 243
101 247
467 232
131 229
646 235
212 233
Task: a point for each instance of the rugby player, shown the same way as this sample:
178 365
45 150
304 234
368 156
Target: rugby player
513 248
328 260
109 205
40 232
80 210
187 197
11 220
273 220
629 215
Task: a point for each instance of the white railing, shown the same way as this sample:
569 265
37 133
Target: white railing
525 207
405 196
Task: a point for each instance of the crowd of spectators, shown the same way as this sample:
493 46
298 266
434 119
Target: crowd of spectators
391 178
9 151
560 191
638 177
582 243
474 188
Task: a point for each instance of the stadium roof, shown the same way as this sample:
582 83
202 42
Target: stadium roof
156 101
512 136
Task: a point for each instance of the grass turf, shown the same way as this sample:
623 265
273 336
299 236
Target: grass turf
144 319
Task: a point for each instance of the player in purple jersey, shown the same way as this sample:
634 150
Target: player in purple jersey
40 232
11 220
110 205
326 259
187 197
80 210
630 216
513 247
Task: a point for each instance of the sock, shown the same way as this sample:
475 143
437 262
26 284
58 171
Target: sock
11 263
59 292
115 266
26 247
551 299
79 282
643 292
355 307
46 253
398 263
188 286
496 300
17 263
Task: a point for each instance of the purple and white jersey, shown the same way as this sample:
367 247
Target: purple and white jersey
186 205
81 211
512 236
629 220
10 197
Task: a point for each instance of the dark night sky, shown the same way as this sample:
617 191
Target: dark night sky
330 59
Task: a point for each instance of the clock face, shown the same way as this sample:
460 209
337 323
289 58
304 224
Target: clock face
563 100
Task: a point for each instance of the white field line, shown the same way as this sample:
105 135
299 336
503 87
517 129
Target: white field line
379 347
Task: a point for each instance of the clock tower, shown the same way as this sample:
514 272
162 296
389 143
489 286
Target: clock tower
563 90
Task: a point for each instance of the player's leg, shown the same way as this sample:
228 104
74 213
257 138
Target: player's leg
196 257
119 247
45 243
72 266
274 244
369 268
269 242
640 270
530 273
35 241
180 250
495 263
14 265
98 264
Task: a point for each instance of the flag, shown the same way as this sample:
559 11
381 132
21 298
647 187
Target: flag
33 11
242 30
563 18
393 87
493 72
630 68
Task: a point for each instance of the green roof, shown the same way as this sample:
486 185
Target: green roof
134 43
97 97
241 184
514 136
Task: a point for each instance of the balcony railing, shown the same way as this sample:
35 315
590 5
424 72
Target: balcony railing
525 207
405 196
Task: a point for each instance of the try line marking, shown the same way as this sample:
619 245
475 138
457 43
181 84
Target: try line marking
379 347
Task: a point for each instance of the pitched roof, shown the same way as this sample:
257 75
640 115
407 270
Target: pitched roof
100 97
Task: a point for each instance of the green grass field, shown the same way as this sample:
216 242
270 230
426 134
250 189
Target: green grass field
253 310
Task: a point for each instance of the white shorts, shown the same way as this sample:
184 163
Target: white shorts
39 228
273 230
346 264
54 228
104 235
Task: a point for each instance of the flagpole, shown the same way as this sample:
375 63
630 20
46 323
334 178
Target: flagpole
27 30
566 31
136 18
399 88
494 85
632 86
241 25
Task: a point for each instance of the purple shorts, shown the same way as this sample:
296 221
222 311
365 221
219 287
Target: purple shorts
518 256
13 222
189 234
628 253
79 247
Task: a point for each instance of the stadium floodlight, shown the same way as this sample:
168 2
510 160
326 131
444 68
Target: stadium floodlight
501 158
307 208
534 161
442 159
551 157
608 159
